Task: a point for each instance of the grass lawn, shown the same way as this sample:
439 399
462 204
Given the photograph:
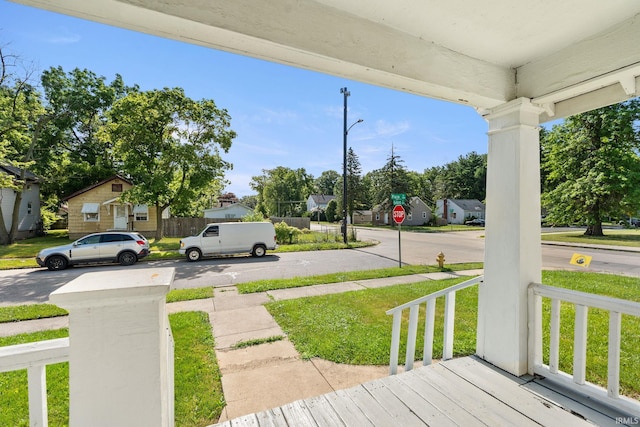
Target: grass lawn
611 237
353 328
198 389
347 276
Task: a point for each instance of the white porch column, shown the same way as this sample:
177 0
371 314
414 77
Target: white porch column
513 255
121 349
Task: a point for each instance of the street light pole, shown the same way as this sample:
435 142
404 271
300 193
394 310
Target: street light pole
346 129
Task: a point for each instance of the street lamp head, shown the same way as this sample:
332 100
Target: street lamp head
360 121
345 91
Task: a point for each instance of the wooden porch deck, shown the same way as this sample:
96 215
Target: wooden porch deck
459 392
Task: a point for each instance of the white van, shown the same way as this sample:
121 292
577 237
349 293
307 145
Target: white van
230 238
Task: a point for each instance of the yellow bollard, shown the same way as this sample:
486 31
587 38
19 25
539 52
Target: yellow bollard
440 259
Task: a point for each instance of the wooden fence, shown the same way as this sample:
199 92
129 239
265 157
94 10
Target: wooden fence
182 227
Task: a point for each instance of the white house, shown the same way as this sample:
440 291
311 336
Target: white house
234 211
29 213
317 202
457 211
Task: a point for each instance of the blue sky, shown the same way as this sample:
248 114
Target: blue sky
283 116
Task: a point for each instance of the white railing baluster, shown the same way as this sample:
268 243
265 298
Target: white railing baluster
554 336
34 357
449 319
395 342
37 381
414 307
613 374
580 345
412 334
582 301
429 321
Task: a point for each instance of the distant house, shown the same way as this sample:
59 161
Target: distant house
29 212
418 213
98 208
457 211
317 202
229 212
363 217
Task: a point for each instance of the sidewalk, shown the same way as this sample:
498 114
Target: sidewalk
267 375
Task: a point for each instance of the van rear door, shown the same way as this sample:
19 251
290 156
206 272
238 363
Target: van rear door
210 239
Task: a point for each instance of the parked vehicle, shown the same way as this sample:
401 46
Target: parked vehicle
223 238
476 221
125 248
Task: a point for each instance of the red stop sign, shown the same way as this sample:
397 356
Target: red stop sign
398 214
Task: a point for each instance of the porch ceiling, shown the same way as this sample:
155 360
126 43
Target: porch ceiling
567 56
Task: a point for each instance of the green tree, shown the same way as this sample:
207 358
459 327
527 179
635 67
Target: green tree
77 154
356 191
169 146
592 166
332 209
22 118
326 182
282 191
391 178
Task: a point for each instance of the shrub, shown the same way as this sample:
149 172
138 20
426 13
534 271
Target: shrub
285 233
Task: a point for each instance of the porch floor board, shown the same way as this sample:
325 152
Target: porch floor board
459 392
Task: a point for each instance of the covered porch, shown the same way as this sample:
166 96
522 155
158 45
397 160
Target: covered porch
517 64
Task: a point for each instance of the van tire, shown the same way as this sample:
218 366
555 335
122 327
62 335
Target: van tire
259 251
194 255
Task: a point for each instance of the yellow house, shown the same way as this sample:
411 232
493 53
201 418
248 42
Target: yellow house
98 208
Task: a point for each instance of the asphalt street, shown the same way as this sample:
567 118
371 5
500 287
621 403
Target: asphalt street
34 285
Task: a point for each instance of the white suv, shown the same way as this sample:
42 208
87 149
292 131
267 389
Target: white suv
125 248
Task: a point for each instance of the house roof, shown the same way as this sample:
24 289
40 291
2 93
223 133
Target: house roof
321 199
91 187
227 207
469 204
17 172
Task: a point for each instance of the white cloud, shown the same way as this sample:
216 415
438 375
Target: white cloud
62 36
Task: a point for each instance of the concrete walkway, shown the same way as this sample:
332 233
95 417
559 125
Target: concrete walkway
268 375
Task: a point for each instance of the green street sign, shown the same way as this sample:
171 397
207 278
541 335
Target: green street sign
398 198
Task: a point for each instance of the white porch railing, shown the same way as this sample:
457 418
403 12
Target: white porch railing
34 357
582 302
412 330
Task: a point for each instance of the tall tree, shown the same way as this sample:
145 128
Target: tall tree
77 152
356 192
22 118
326 182
391 178
282 191
169 146
592 166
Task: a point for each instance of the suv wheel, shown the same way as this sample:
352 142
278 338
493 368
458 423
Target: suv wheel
56 262
127 258
194 254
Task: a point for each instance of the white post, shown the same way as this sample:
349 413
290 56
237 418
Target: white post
513 254
120 346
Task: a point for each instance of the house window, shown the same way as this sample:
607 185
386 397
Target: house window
424 215
453 215
116 188
141 213
29 208
377 217
90 212
409 216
